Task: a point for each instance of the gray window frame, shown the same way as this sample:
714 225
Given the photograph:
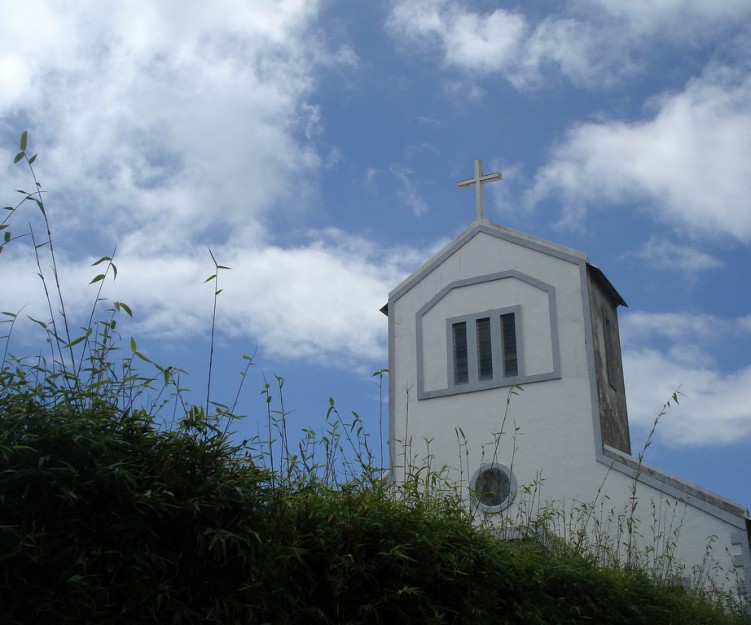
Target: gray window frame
478 504
474 382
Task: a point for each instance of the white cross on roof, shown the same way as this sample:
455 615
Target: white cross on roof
479 179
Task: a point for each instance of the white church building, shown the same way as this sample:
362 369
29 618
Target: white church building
506 379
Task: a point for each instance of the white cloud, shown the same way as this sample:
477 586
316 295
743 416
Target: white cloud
177 119
574 48
688 162
667 255
469 40
670 19
168 128
715 403
590 42
506 42
408 192
714 408
318 301
638 326
483 42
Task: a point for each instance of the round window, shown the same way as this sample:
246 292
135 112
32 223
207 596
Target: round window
494 487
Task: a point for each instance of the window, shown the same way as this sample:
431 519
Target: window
493 487
611 350
508 330
461 362
483 349
486 332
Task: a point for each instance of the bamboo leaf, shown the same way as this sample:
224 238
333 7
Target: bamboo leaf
74 342
144 358
18 157
103 259
41 323
23 140
98 278
211 277
32 159
125 307
133 345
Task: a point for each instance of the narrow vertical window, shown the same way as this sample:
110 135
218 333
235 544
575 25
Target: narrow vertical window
484 349
461 359
508 339
610 350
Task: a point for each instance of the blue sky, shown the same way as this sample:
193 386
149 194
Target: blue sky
315 146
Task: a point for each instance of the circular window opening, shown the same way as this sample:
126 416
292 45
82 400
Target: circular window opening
494 487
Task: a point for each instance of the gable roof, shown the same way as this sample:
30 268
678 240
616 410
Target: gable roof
508 234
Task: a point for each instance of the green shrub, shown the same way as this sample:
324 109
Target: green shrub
104 517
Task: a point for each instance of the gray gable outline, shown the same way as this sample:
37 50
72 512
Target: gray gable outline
555 373
493 230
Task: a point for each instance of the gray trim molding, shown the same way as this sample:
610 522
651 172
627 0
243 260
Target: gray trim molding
720 507
499 382
493 230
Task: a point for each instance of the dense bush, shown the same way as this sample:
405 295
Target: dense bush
103 518
107 519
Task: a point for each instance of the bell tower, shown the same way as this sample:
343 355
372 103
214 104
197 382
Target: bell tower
505 374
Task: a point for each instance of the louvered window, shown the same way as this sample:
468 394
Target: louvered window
484 349
508 332
461 362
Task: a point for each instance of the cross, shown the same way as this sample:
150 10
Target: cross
479 180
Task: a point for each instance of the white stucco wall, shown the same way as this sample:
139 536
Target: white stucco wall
554 416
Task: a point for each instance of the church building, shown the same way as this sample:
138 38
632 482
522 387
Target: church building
506 380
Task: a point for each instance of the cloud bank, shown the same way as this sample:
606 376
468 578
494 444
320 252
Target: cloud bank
714 405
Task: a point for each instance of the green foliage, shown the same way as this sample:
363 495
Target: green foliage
108 519
108 516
